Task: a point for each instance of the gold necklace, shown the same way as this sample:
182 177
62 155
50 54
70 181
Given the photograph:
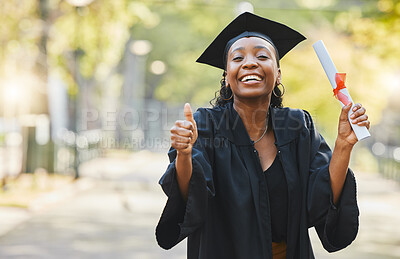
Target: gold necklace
265 131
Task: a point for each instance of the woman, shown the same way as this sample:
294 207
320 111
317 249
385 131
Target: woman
248 178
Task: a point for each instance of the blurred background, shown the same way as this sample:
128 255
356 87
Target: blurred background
89 90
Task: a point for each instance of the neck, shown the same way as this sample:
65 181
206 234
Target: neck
254 115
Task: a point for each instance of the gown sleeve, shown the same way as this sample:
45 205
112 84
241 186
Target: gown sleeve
180 219
336 226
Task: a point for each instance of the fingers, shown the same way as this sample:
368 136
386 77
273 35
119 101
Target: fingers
180 146
180 142
181 139
188 113
358 110
189 117
359 116
357 106
365 123
179 130
184 132
184 124
345 111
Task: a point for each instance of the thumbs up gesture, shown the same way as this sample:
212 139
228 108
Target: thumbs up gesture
184 132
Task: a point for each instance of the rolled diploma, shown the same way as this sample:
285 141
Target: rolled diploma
330 70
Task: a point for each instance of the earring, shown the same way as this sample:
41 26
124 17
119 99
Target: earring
229 97
282 93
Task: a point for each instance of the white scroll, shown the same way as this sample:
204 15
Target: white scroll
330 70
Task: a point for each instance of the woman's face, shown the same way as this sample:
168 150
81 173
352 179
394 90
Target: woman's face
251 69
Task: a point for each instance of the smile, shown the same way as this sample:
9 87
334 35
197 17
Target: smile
251 78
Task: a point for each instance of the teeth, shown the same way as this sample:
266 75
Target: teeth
251 77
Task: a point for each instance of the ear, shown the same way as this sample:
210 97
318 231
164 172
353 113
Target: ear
279 77
226 79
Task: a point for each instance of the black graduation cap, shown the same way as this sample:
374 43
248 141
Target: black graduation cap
283 38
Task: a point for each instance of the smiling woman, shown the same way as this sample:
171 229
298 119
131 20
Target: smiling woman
251 70
248 177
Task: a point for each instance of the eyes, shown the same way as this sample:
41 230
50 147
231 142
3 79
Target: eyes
241 57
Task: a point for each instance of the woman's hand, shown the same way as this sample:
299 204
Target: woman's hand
183 136
346 134
184 133
344 144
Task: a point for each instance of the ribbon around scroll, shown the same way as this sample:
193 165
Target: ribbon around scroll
340 78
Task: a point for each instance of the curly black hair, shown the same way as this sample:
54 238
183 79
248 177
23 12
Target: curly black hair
224 95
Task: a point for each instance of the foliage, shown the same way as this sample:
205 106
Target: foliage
86 46
95 36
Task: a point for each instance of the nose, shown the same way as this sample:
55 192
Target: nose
250 63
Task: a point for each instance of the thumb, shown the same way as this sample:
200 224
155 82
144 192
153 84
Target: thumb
188 112
345 112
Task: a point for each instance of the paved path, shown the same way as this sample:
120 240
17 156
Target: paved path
107 221
116 217
379 233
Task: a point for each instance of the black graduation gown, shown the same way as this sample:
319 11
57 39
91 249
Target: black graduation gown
227 212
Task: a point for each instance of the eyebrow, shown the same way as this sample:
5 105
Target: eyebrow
256 47
240 48
263 47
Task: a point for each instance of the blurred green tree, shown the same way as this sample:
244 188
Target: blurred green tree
86 46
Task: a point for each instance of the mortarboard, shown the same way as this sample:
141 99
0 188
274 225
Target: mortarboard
247 24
